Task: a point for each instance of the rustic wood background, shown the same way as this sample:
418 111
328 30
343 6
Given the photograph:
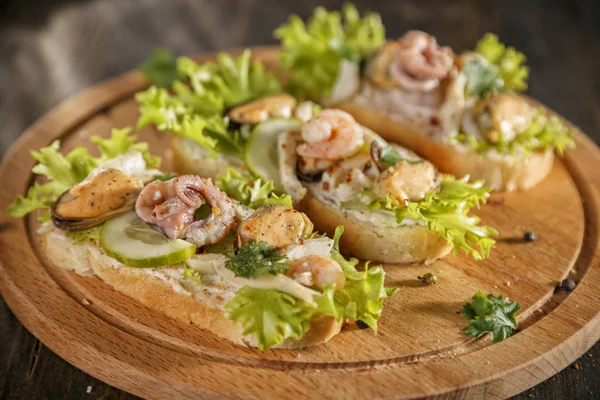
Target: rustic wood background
50 50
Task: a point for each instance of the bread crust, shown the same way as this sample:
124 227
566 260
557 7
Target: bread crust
402 245
157 295
501 172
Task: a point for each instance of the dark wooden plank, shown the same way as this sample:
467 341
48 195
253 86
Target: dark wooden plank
51 52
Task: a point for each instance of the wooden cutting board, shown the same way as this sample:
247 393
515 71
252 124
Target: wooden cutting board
420 350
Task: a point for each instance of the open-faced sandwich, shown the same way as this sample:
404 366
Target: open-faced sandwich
460 112
251 271
395 206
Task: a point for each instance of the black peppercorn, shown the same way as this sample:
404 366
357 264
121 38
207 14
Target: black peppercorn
530 237
568 284
361 324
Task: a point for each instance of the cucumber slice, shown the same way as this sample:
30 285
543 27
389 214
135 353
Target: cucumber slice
261 149
133 242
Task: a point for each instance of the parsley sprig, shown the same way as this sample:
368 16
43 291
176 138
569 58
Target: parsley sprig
256 259
490 313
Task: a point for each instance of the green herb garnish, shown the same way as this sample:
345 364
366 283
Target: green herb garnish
490 313
256 259
161 68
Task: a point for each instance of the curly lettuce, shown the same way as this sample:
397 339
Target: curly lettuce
120 142
509 62
273 316
194 108
250 190
446 212
62 172
311 53
364 292
543 133
231 81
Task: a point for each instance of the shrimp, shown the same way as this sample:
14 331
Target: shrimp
420 56
317 271
190 189
171 205
502 115
331 135
407 181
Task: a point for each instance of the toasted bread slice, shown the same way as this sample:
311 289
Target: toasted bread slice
401 244
164 292
500 172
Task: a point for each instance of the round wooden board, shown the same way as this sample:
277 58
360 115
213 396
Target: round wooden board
420 350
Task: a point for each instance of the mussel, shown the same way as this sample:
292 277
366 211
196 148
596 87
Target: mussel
105 195
502 116
278 105
277 225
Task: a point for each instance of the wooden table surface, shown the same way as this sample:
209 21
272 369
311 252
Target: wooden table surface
53 49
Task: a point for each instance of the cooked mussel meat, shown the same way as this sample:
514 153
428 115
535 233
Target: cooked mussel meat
103 196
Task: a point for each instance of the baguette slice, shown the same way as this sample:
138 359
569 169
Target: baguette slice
368 241
500 172
163 293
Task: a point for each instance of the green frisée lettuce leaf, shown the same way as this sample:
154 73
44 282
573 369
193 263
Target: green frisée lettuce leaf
446 212
232 81
250 190
160 68
120 142
191 274
490 313
273 316
509 62
38 197
364 292
543 133
194 109
312 52
256 259
62 172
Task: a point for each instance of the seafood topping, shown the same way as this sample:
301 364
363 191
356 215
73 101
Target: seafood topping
317 271
420 56
278 105
277 225
407 180
170 205
331 135
310 169
502 115
106 195
414 62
